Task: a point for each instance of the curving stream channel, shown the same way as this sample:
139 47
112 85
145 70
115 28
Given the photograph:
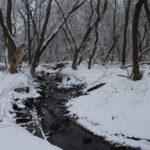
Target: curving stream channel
62 130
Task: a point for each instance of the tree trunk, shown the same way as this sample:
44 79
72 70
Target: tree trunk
75 60
37 53
9 26
125 33
99 18
82 46
10 42
17 59
111 49
135 70
8 21
28 31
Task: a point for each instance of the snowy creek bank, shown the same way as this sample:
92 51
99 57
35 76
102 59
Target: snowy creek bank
16 91
56 124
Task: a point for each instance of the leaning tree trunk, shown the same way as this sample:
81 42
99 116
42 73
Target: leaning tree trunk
82 46
16 51
37 53
135 70
17 59
99 18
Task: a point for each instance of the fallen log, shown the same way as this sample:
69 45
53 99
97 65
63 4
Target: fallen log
59 66
95 87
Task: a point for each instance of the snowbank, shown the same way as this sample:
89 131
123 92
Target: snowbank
12 136
119 110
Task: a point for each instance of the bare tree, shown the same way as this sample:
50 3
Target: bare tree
99 18
82 44
115 35
15 51
41 47
36 56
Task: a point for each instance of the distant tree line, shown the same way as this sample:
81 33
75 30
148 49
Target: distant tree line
90 31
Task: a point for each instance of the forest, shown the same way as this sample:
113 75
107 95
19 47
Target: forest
74 74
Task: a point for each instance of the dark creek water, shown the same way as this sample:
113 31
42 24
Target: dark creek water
62 130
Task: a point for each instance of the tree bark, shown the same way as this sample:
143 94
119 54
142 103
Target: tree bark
135 69
10 42
9 26
125 33
9 11
17 59
28 31
111 48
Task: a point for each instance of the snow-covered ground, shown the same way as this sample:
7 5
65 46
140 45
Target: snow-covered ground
12 136
119 110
